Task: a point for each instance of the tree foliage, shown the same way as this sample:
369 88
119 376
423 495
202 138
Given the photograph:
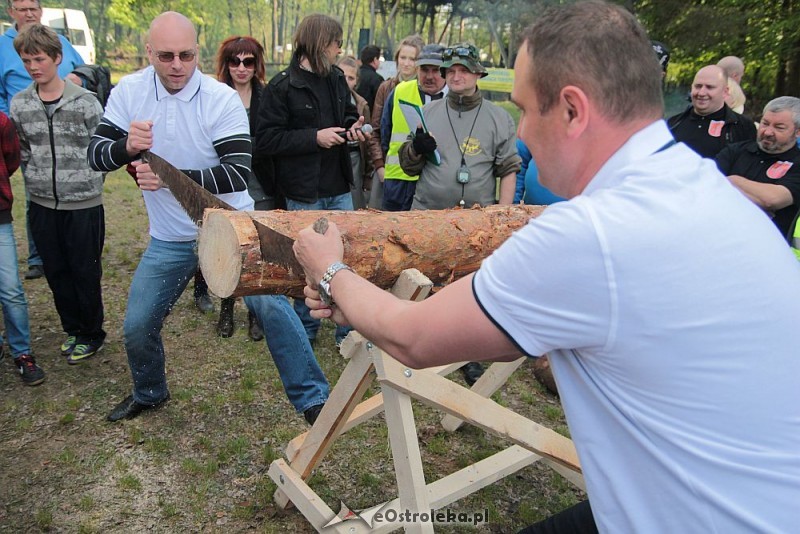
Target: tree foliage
764 33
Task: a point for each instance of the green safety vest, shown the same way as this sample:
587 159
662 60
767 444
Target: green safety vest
794 238
409 92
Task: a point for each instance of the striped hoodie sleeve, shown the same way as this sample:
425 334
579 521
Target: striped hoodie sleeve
107 152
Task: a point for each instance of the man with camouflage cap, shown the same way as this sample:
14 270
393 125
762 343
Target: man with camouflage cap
475 138
398 186
476 142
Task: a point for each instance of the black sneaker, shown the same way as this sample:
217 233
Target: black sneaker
31 374
84 350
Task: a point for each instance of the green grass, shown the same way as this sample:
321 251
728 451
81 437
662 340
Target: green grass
208 450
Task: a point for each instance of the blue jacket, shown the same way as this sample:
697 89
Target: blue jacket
528 187
13 76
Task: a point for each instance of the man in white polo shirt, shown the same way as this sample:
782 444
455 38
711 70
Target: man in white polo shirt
200 126
666 300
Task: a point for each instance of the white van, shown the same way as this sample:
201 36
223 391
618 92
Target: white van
72 24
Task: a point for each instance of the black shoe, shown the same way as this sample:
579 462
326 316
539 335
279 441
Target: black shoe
30 373
225 326
312 413
203 303
472 372
34 272
254 329
129 408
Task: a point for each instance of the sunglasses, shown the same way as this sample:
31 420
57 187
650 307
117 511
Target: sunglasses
462 52
169 57
249 62
27 10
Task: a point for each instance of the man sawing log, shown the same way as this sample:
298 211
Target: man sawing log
238 258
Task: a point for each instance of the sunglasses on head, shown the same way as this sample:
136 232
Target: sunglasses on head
467 52
168 57
249 62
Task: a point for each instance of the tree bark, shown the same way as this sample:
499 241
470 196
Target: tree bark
443 244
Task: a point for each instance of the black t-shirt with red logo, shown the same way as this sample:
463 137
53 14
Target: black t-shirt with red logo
746 159
708 134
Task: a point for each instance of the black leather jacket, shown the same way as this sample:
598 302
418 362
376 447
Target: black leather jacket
288 121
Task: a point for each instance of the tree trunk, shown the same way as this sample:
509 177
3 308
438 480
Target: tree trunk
442 244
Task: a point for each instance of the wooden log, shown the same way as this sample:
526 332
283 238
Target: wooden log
443 244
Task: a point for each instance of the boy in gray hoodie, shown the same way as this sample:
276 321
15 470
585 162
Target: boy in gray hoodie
55 120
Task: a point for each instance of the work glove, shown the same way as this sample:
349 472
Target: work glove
423 142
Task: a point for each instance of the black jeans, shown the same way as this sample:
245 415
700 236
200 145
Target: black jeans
576 519
70 243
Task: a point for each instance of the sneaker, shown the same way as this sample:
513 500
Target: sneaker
68 345
31 374
84 350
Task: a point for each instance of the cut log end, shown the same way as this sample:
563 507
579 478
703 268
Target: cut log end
222 263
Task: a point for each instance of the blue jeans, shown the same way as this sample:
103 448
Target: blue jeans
338 203
303 380
12 297
163 273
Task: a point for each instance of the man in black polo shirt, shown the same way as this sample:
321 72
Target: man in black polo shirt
709 124
767 170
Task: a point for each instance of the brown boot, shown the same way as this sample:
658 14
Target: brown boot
254 329
225 325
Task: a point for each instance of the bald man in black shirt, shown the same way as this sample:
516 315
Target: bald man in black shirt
709 125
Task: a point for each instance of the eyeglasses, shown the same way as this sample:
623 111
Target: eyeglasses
468 52
249 62
27 10
338 42
186 56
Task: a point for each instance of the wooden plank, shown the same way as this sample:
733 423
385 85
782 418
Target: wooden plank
366 410
466 481
412 285
292 485
350 388
407 459
483 413
493 379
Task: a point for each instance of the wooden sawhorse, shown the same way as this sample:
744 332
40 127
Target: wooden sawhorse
399 384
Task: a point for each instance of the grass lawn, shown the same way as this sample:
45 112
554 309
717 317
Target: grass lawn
199 464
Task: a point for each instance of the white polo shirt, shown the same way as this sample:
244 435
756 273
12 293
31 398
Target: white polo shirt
669 306
185 127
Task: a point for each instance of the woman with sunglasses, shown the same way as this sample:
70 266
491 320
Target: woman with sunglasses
240 65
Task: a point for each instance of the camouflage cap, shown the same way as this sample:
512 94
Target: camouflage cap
430 55
462 54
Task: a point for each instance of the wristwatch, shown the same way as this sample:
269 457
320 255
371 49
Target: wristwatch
325 283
